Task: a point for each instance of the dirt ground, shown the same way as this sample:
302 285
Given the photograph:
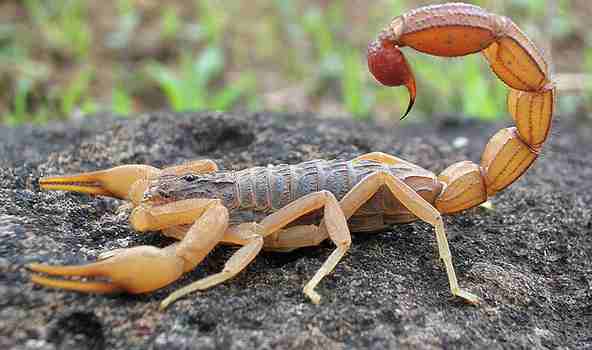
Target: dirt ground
529 258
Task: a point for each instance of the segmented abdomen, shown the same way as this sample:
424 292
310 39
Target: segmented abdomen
267 189
271 188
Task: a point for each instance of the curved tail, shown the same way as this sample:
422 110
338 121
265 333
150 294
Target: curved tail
457 29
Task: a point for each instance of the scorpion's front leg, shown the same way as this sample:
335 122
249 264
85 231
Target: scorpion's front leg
146 268
251 236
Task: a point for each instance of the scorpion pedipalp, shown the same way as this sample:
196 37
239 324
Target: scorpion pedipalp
126 270
116 182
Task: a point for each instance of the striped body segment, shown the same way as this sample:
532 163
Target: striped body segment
253 193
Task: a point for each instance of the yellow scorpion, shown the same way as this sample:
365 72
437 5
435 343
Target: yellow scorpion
286 207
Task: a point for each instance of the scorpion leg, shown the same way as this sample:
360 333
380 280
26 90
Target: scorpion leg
127 268
248 234
252 234
176 232
366 188
284 240
382 158
334 222
295 237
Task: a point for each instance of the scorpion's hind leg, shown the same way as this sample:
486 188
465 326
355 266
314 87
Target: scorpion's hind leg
146 268
366 188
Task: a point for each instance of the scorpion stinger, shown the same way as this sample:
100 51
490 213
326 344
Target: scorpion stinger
389 66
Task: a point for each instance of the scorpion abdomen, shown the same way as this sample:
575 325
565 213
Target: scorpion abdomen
267 189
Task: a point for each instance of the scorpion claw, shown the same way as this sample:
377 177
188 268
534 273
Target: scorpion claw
81 271
115 182
126 269
412 93
88 287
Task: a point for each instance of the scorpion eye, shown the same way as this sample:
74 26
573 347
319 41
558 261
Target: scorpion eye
190 177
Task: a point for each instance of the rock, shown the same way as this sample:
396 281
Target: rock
530 258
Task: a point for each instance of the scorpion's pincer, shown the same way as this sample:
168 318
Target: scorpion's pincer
133 270
116 182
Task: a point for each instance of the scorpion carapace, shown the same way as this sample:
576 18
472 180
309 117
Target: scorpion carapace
285 207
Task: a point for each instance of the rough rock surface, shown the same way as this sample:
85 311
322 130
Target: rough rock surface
530 258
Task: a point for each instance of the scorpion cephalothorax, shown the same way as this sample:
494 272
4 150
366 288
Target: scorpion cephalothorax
170 188
285 207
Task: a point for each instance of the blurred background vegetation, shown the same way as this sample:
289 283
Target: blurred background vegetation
64 59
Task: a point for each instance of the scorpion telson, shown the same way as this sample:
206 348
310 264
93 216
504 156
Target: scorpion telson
199 206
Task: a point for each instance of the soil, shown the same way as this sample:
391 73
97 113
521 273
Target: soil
529 257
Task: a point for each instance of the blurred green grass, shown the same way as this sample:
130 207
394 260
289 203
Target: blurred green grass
69 58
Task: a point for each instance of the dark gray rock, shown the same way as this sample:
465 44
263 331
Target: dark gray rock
530 258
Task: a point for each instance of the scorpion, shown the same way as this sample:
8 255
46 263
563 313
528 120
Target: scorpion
285 207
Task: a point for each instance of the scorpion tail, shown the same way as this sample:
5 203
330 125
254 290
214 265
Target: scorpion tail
389 67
